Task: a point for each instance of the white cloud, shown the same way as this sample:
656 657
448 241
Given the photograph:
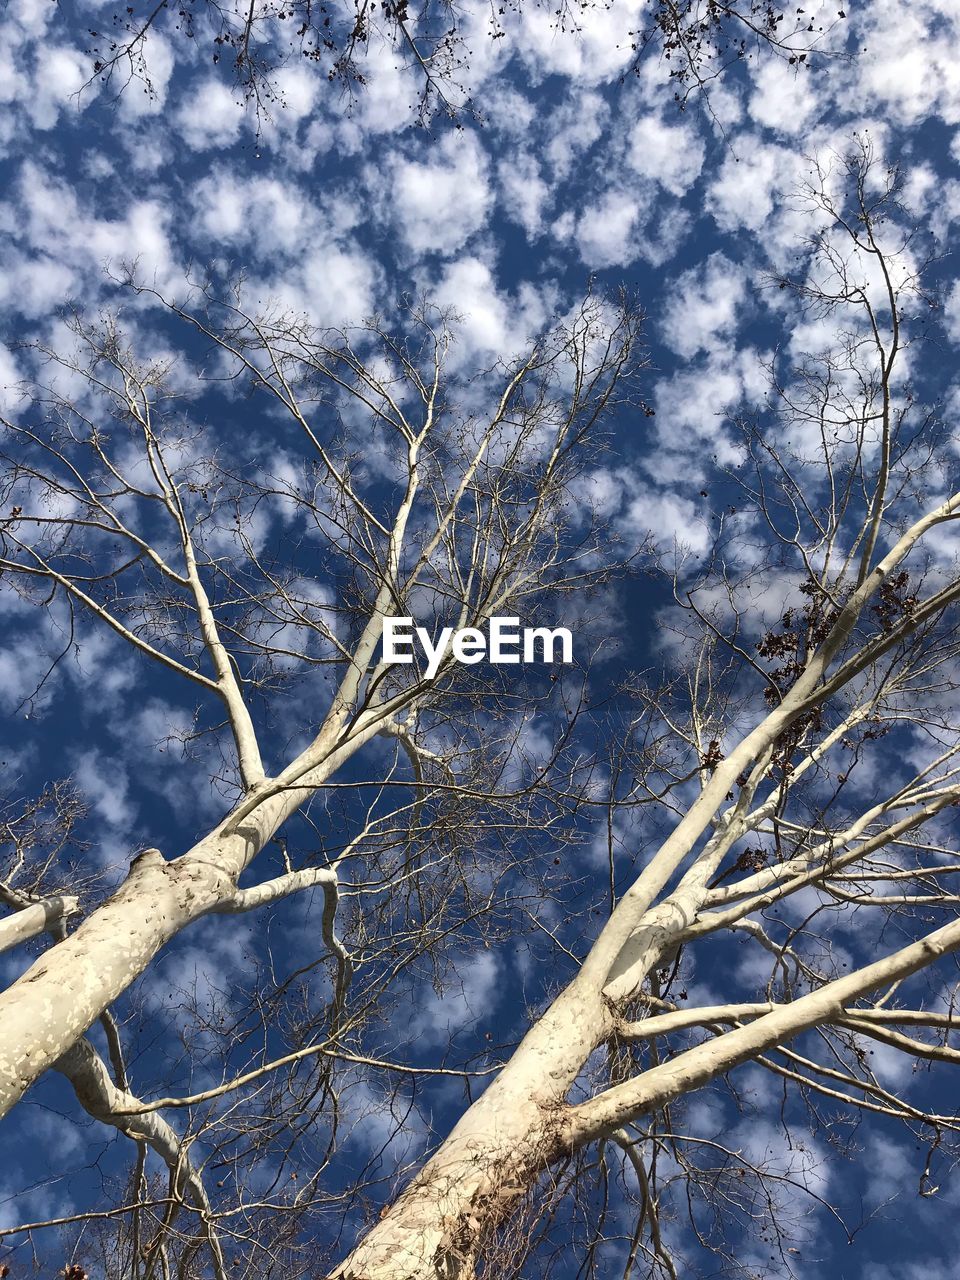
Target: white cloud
753 174
598 48
471 996
703 307
665 234
210 117
264 214
10 376
785 97
907 69
298 89
671 520
523 191
951 313
600 491
162 725
671 154
105 783
36 287
495 323
573 128
61 245
382 1122
23 664
102 661
437 203
146 102
608 231
60 74
386 106
511 113
333 285
691 407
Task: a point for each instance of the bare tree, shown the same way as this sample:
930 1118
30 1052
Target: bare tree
787 787
417 491
764 768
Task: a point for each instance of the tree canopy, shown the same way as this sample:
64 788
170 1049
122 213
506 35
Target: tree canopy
253 42
633 956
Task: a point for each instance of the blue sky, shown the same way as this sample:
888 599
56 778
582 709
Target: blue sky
566 171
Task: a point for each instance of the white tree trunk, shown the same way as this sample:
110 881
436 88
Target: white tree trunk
492 1158
47 1010
63 992
522 1124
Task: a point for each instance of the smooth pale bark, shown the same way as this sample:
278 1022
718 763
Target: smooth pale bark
492 1157
58 998
111 1105
521 1125
612 954
437 1226
657 1087
35 919
516 1130
64 991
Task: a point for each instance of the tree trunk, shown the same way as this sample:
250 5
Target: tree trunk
66 990
492 1158
522 1124
59 997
